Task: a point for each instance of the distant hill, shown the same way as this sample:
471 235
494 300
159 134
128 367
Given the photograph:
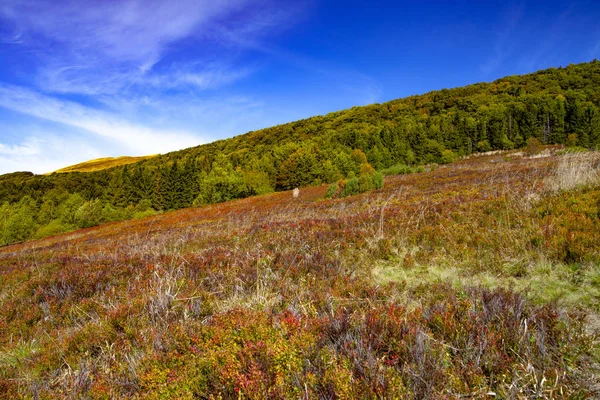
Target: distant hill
103 163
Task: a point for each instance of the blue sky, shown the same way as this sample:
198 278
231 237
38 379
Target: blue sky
87 79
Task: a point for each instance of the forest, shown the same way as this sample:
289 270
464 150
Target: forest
344 148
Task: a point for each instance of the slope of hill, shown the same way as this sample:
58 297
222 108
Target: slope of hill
558 106
103 163
476 279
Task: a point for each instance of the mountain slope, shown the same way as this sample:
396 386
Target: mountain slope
559 106
441 284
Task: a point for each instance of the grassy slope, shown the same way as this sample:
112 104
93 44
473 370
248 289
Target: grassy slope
103 163
472 278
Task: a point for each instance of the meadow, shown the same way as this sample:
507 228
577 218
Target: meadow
479 278
99 164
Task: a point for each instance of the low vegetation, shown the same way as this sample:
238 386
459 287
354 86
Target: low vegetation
475 279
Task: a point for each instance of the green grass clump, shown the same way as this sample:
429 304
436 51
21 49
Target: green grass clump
401 169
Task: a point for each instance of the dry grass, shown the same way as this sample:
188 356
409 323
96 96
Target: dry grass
103 163
470 279
574 170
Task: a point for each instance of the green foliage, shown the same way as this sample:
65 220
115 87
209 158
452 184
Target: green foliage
67 210
257 183
556 106
223 183
89 214
484 146
20 224
351 187
571 140
401 169
332 190
534 146
301 168
447 157
52 228
368 179
377 180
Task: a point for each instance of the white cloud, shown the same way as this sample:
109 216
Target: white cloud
28 148
129 30
46 148
105 46
133 138
201 76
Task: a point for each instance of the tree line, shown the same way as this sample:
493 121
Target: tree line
555 106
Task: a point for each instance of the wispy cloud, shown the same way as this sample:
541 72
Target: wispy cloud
504 42
14 38
134 138
27 148
47 153
206 75
105 46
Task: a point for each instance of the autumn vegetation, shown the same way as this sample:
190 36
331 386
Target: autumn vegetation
478 278
348 149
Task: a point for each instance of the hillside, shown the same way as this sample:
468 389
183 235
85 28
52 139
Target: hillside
554 106
102 163
479 278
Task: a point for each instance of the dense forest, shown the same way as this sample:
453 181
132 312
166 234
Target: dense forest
555 106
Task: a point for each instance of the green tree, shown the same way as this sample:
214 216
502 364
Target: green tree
222 183
89 214
20 225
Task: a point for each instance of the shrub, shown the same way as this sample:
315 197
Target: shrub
448 156
534 146
484 146
20 225
54 227
401 169
332 191
368 179
378 180
89 214
352 187
571 140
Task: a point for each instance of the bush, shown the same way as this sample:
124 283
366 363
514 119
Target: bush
368 179
378 180
506 143
19 227
332 191
401 169
352 187
484 146
144 214
534 146
448 156
89 214
54 227
143 206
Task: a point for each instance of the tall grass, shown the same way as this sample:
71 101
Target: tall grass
574 170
